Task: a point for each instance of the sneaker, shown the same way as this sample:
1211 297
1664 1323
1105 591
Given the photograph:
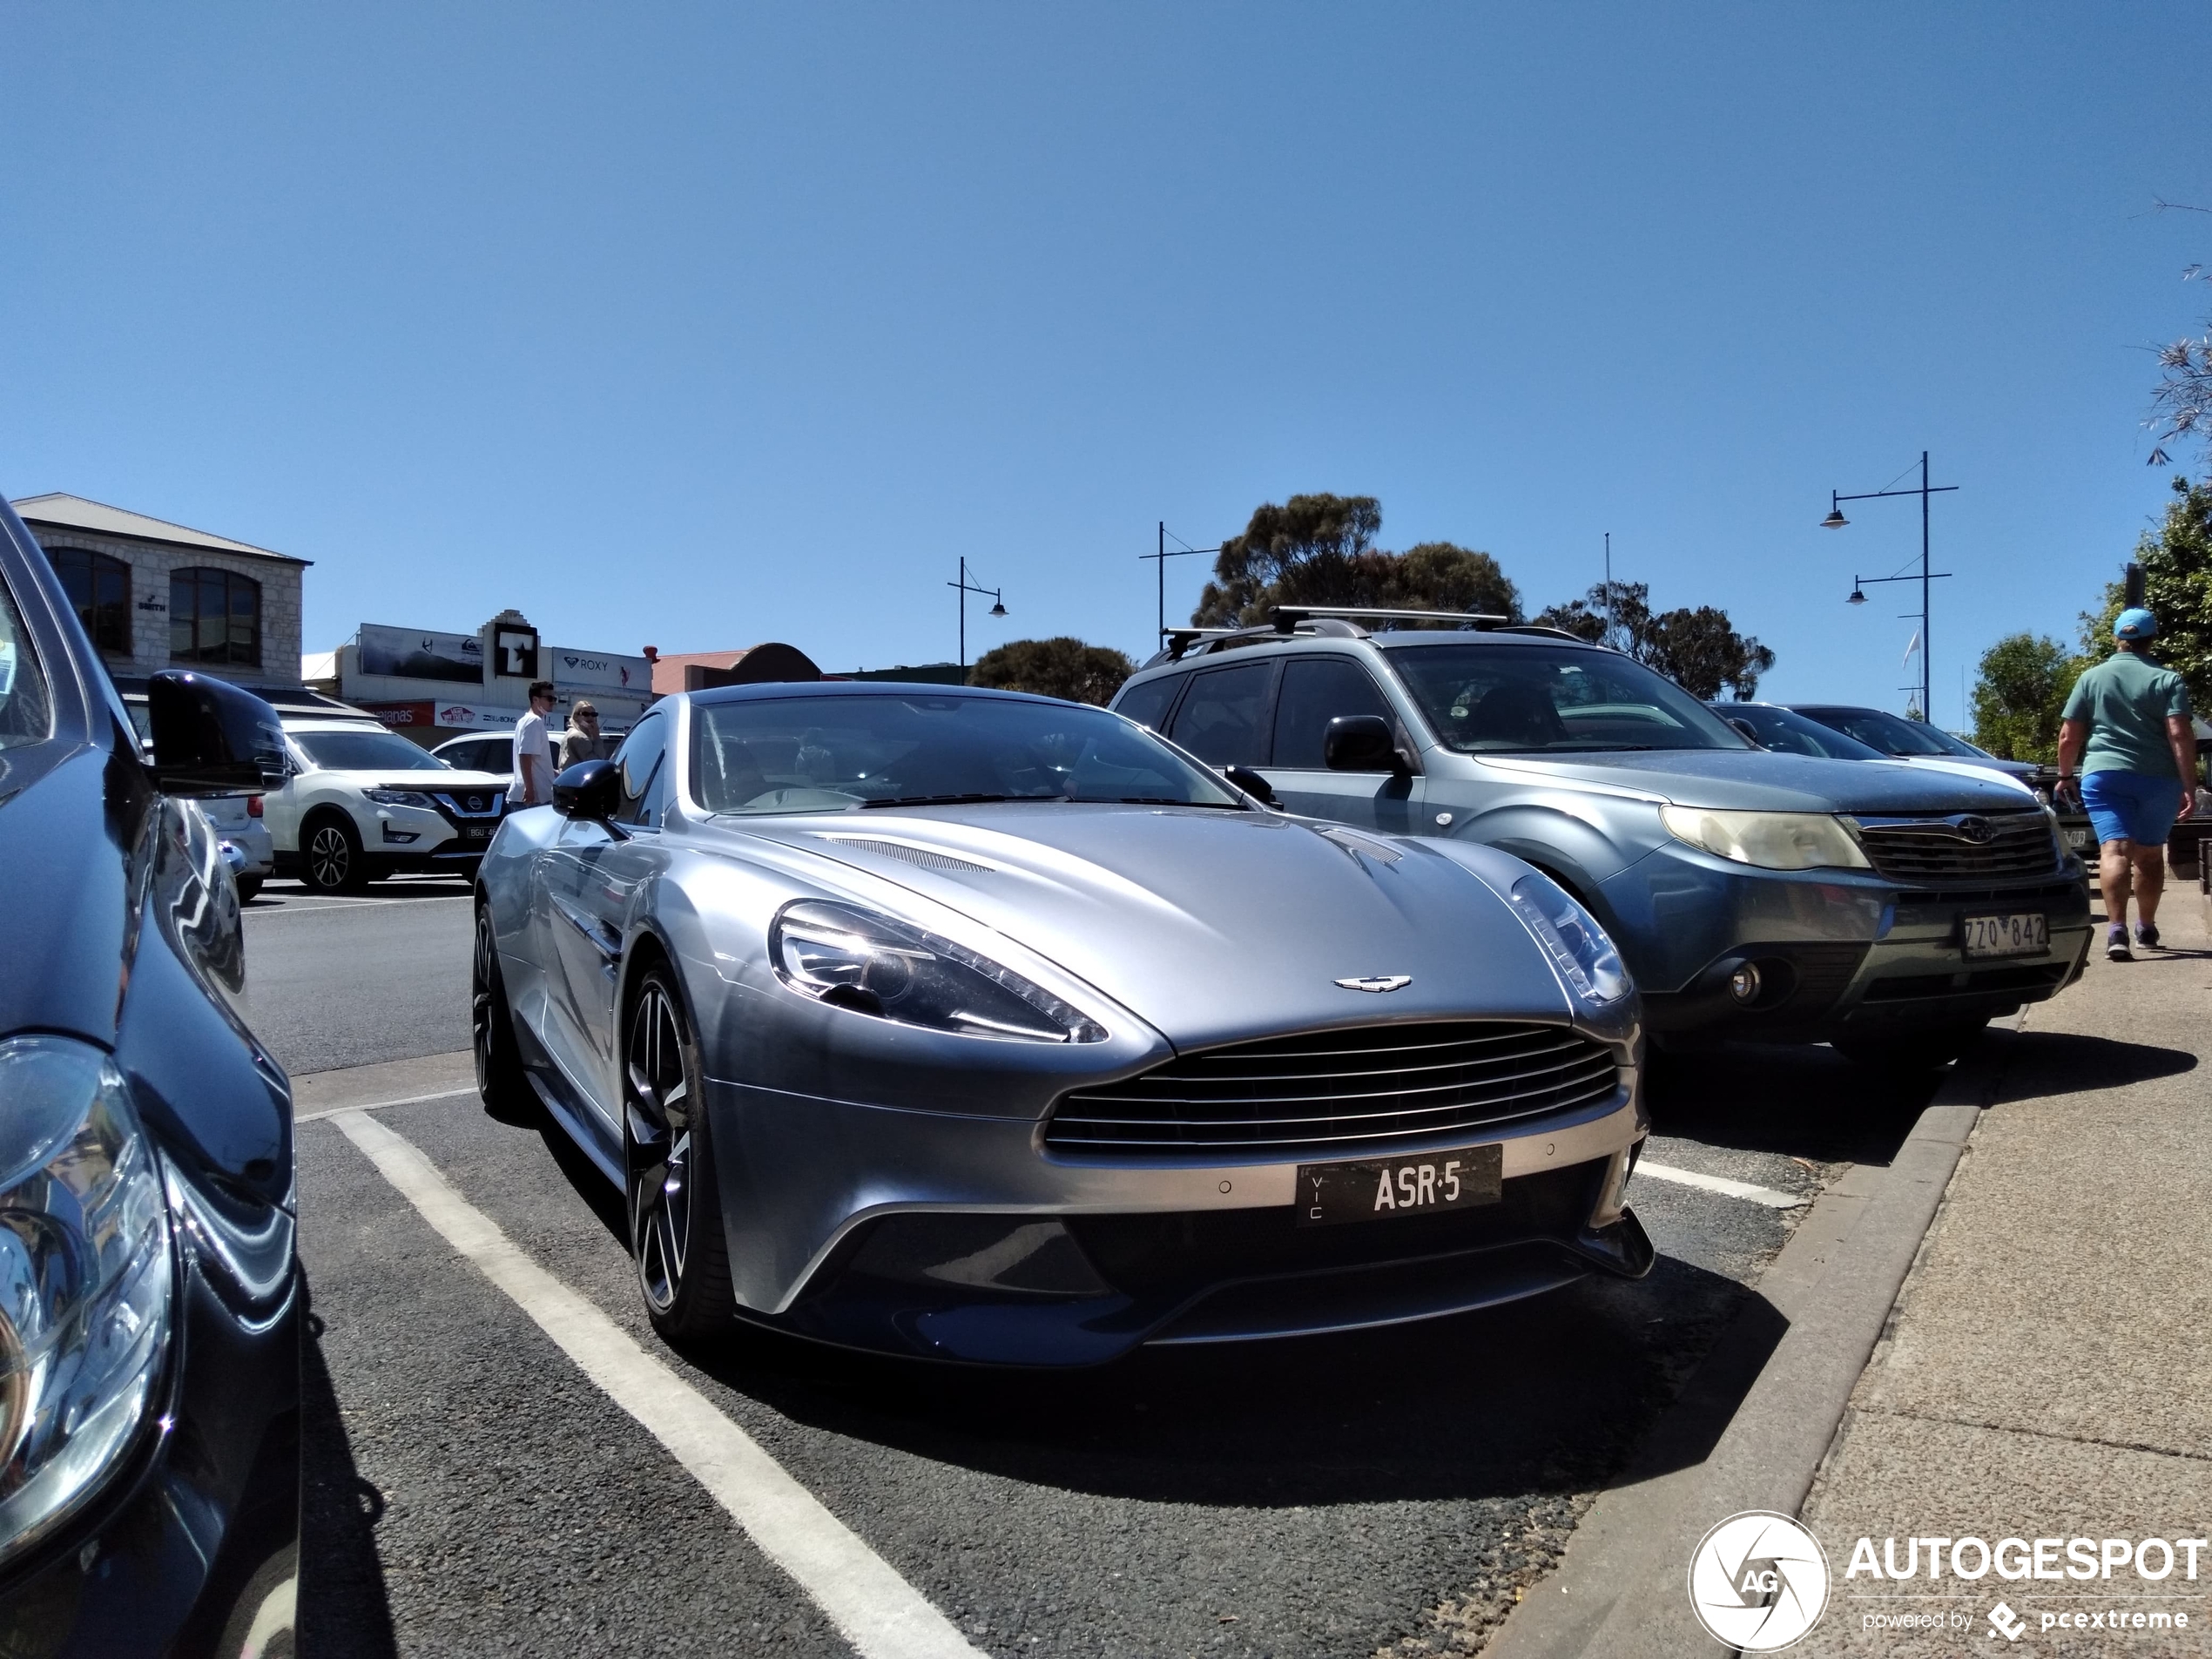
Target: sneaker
2146 936
2116 947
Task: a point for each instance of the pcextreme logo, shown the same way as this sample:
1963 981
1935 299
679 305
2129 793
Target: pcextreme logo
1758 1581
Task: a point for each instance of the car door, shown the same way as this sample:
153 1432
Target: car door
281 806
1316 689
591 874
1223 719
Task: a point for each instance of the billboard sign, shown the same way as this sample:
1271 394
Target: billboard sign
514 650
410 654
598 670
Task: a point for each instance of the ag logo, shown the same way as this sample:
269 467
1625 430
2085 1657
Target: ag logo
1758 1581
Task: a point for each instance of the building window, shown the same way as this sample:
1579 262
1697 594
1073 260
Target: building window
214 617
100 589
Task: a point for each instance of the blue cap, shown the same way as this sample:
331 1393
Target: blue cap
2136 623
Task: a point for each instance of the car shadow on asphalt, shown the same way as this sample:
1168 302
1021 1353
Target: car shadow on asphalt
1801 1099
1549 1395
344 1611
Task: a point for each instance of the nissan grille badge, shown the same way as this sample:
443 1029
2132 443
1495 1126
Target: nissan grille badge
1378 982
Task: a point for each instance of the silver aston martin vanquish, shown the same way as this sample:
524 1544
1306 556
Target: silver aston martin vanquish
988 1028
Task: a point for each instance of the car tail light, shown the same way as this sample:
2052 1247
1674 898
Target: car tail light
253 806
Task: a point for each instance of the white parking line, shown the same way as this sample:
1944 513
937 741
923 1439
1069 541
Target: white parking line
1767 1196
303 906
882 1615
379 1105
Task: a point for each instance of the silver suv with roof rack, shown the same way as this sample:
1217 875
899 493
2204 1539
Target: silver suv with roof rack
1892 910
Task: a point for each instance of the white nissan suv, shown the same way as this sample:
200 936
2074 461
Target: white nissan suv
359 802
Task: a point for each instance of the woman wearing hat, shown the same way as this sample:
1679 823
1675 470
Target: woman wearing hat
2128 726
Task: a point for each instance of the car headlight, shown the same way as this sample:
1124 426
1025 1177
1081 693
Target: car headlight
84 1279
866 961
1770 840
397 797
1570 936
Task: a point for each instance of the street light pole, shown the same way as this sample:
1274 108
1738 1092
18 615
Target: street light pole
1836 521
1164 555
966 587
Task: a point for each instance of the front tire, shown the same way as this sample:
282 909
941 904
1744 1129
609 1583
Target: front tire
500 1082
675 1210
247 886
330 855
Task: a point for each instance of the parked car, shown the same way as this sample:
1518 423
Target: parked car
490 754
151 1298
1905 739
1890 910
359 802
1785 731
983 1027
241 822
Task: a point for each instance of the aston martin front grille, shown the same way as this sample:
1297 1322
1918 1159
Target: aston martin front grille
1944 849
1330 1093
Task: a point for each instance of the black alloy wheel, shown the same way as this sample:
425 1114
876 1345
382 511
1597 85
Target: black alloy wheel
331 855
500 1083
675 1216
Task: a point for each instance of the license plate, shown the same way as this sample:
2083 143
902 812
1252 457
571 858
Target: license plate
2081 839
2025 934
1329 1193
477 832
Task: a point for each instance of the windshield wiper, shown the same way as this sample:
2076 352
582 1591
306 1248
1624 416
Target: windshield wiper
1163 801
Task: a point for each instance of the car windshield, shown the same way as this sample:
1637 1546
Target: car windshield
1788 733
26 714
1556 700
365 750
819 754
1880 730
1952 746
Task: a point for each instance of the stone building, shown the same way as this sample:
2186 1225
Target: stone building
153 595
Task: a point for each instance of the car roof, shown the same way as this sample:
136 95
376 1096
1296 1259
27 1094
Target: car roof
770 690
1391 639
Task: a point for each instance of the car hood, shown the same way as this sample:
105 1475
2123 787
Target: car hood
439 782
1761 780
1211 924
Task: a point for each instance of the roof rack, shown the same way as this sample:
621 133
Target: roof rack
1288 617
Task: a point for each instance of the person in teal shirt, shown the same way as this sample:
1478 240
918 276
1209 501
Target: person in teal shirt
2127 726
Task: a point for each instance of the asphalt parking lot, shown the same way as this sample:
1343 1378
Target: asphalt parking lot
472 1490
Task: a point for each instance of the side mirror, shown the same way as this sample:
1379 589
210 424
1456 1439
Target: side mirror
1745 730
591 790
210 737
1362 743
1253 784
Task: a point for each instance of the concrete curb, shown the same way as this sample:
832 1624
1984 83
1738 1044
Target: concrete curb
1751 1428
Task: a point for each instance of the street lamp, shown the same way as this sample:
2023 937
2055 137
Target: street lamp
966 587
1836 521
1164 555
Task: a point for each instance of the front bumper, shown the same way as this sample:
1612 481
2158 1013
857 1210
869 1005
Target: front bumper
958 1237
422 837
1839 952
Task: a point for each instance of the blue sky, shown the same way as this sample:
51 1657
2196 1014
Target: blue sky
703 326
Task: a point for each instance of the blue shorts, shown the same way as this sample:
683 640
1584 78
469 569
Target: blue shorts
2131 806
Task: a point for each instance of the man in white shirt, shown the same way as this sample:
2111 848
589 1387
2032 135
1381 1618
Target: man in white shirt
534 750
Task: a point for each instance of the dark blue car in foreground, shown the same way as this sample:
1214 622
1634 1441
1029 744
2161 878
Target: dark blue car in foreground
149 1291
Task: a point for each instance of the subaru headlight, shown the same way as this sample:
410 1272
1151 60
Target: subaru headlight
397 797
866 961
1570 936
84 1280
1770 841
